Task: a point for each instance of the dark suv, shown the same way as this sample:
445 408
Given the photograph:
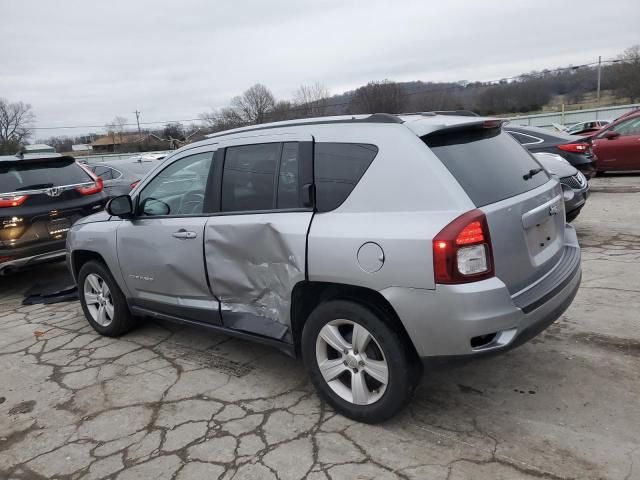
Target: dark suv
41 196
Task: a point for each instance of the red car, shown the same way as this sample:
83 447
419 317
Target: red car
617 146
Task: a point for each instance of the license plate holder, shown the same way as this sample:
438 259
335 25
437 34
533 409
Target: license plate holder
542 235
58 226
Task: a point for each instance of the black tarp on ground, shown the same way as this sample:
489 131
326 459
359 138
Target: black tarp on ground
57 288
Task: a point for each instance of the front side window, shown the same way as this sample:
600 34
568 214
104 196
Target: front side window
628 127
179 189
248 180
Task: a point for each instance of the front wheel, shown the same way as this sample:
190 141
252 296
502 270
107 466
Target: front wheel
103 303
358 364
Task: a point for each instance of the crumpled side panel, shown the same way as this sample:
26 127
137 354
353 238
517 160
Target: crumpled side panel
253 262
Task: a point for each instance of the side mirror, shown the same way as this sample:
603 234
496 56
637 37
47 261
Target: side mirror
611 135
120 206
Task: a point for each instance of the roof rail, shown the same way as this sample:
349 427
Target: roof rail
457 113
373 118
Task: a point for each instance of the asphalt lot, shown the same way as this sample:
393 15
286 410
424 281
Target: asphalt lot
173 402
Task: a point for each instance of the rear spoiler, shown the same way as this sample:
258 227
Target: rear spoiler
35 158
487 123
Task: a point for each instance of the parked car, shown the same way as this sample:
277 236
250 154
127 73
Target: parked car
585 128
617 146
576 150
575 184
41 196
121 176
362 243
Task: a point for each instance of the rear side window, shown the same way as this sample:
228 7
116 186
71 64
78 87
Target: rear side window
338 167
524 139
288 177
104 172
30 175
248 180
487 163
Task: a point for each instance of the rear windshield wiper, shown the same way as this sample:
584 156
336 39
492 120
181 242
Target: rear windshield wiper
531 173
35 186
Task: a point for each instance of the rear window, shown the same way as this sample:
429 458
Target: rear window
338 167
487 163
29 175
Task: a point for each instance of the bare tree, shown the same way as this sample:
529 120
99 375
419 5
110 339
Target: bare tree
282 110
120 124
173 130
15 122
311 100
223 119
253 105
378 97
628 73
174 143
115 129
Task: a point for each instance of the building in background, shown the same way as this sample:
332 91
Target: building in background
118 142
82 148
38 148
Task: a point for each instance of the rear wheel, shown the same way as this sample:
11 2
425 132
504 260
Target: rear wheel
359 365
103 303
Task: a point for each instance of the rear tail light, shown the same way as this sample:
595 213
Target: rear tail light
134 184
492 123
574 147
462 251
12 201
97 186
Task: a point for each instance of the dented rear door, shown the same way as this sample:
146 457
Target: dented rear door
255 247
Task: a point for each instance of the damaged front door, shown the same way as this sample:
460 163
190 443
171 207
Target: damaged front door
255 247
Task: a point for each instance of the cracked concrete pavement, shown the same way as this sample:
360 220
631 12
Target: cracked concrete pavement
172 402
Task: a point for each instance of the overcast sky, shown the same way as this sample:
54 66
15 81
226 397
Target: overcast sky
83 62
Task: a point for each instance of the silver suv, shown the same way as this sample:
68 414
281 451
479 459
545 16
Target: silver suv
363 244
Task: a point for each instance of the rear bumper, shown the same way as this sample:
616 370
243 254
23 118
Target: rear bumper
476 318
28 261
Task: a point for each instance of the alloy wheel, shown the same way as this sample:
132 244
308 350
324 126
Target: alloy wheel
97 297
352 362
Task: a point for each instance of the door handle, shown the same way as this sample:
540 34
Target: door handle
184 234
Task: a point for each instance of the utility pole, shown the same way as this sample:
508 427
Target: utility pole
140 133
599 75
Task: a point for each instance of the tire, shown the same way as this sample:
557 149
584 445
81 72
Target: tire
571 216
371 401
115 319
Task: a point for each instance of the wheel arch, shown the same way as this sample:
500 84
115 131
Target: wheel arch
81 257
307 295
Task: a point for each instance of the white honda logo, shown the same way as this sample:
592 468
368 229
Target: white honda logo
54 192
